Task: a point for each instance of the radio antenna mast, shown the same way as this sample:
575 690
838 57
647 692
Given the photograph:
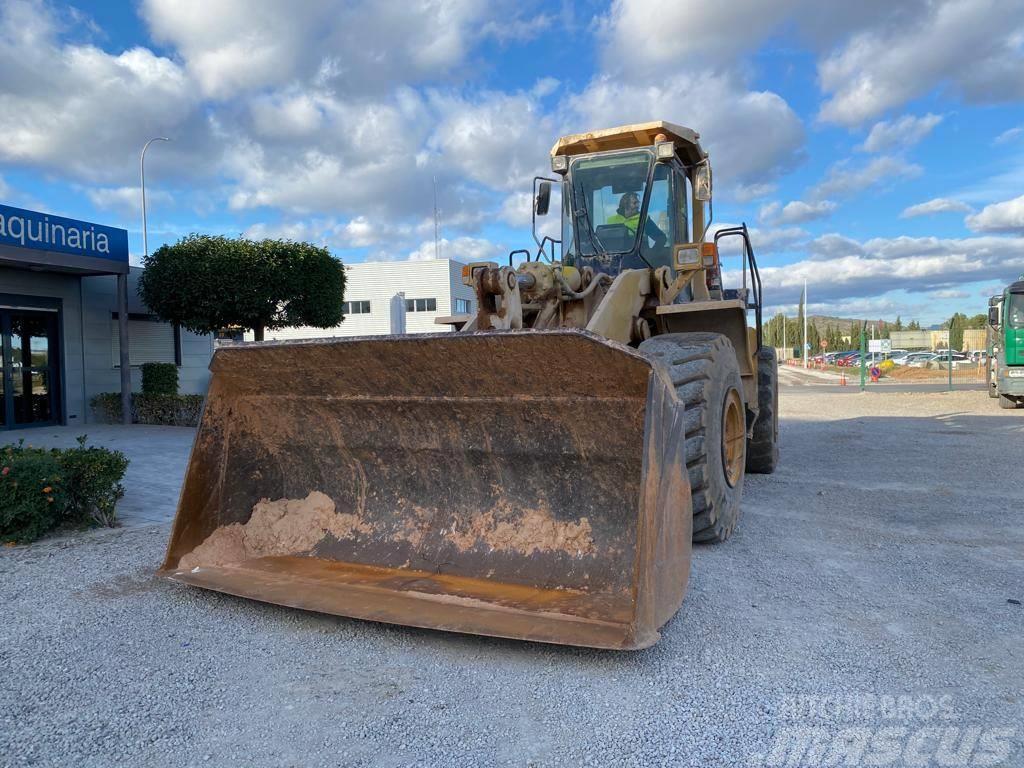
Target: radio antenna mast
437 225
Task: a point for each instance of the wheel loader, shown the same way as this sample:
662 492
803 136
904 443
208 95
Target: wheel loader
537 470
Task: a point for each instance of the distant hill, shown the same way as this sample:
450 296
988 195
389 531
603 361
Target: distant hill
843 324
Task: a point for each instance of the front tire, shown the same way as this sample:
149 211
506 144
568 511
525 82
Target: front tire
990 379
763 447
705 373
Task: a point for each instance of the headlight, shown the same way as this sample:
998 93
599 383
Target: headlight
688 257
666 150
560 163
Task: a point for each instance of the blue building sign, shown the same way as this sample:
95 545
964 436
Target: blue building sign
56 235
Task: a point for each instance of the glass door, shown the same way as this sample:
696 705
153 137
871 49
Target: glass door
30 368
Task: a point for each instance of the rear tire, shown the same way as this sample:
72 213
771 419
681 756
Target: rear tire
763 446
1008 403
706 375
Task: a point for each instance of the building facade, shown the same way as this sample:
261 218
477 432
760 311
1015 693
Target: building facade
384 297
60 321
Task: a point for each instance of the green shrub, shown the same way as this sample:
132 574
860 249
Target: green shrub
169 410
42 489
93 480
32 492
107 407
166 410
159 378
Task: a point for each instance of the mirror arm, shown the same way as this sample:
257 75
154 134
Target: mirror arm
533 210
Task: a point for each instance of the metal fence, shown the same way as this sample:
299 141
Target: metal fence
926 371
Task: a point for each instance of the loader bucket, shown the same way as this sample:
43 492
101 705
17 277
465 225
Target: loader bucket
518 484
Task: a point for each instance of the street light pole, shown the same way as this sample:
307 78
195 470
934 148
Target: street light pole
142 175
122 302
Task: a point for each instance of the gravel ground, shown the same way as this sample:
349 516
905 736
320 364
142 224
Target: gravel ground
875 569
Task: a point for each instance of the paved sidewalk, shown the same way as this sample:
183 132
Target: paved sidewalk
158 458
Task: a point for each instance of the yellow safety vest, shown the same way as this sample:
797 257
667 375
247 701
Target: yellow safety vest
631 222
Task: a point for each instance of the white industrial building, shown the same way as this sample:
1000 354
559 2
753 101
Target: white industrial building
383 297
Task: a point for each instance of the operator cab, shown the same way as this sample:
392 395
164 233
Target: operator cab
623 210
1013 306
632 196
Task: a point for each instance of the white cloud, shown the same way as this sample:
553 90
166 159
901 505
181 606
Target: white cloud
544 87
763 240
744 193
777 240
516 30
363 160
897 134
847 177
127 201
854 269
937 205
516 210
950 293
645 36
795 211
971 46
77 110
300 231
358 232
1007 216
751 135
1010 134
460 249
500 140
359 47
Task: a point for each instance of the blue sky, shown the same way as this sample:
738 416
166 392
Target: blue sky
876 148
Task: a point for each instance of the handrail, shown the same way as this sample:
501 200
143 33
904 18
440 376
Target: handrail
518 250
755 274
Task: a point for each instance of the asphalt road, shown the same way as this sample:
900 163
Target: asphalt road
863 613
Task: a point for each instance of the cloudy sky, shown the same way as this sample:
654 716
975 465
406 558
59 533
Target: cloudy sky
876 147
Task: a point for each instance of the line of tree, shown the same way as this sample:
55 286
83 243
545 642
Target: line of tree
208 283
958 323
848 336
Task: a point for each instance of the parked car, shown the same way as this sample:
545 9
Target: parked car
901 358
959 359
848 359
832 357
917 359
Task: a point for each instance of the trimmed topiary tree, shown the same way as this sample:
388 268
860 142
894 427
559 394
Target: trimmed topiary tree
159 378
205 283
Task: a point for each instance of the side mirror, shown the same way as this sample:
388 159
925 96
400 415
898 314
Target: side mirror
993 315
702 182
543 201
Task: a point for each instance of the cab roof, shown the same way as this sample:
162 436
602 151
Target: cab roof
1017 287
687 141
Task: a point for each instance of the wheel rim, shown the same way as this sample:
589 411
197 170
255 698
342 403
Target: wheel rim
733 437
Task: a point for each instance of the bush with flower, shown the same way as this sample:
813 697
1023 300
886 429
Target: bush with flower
44 489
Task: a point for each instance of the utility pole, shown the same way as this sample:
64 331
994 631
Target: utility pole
785 322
